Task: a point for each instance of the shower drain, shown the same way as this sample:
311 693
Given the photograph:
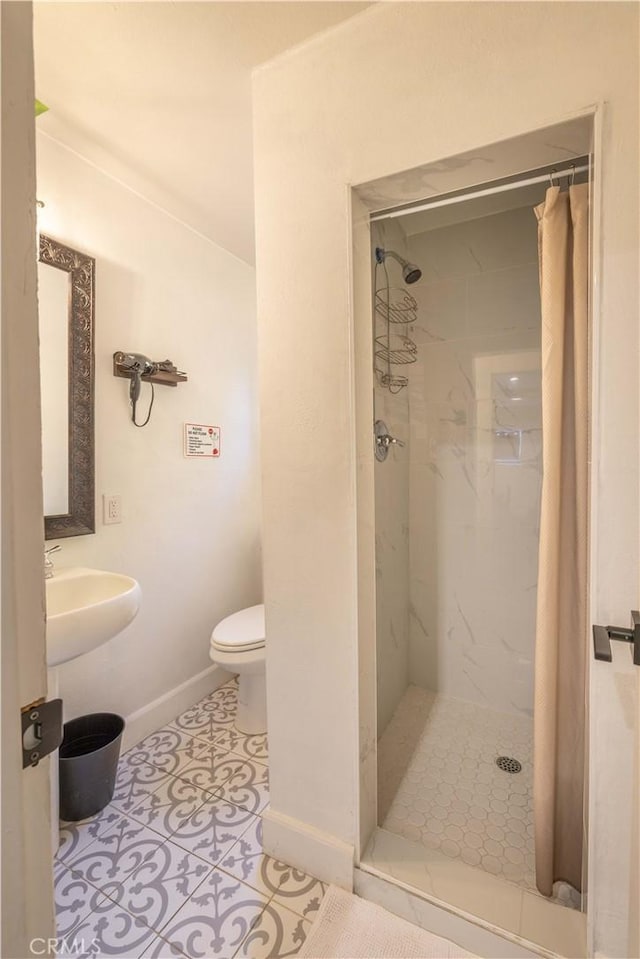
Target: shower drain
508 764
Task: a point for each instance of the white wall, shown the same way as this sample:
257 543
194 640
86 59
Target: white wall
190 527
476 467
399 86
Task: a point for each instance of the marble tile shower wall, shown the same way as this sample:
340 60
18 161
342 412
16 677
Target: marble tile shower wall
392 521
475 460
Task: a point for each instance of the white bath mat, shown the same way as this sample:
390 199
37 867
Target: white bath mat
348 927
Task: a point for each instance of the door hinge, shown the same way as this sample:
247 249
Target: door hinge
602 636
41 730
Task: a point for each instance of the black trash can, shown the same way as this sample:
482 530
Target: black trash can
88 764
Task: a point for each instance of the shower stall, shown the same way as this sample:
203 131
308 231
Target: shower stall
458 481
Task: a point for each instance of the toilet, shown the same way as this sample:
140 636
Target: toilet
238 644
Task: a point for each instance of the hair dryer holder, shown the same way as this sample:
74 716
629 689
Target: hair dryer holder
167 376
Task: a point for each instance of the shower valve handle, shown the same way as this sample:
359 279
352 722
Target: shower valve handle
387 440
384 440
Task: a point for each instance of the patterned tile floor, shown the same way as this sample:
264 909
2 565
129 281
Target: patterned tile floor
440 786
174 867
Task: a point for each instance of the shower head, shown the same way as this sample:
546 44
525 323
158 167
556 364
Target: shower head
410 272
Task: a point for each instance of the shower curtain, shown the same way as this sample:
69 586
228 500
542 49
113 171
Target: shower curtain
561 628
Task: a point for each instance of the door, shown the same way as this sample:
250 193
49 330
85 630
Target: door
27 880
613 886
634 918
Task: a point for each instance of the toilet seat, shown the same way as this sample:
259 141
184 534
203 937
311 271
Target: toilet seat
241 632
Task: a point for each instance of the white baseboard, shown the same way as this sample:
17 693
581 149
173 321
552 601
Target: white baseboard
162 710
301 845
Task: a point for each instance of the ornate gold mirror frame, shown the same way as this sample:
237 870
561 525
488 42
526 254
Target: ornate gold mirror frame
80 518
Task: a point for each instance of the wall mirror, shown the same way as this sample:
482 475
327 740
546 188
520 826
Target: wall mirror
66 294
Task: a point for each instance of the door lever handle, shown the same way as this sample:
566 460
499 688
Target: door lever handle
602 636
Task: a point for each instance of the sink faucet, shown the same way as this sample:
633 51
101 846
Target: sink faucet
48 565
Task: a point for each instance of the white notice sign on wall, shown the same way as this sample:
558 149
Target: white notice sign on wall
200 440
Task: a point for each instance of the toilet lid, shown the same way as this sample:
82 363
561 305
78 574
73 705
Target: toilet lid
242 630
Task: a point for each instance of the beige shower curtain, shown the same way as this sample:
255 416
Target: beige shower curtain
560 654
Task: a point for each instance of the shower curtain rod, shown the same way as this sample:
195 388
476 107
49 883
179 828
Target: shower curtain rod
474 194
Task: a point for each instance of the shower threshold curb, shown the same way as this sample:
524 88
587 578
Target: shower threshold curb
474 897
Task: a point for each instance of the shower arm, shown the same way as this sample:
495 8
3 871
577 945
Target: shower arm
382 254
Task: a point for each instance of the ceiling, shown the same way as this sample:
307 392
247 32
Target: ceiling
158 95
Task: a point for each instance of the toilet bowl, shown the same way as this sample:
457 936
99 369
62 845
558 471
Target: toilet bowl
238 644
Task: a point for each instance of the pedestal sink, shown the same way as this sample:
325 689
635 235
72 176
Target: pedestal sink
86 608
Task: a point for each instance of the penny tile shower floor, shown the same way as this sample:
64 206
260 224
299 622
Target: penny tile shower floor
174 865
440 786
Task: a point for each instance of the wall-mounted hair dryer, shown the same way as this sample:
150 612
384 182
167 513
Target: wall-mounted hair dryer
134 366
138 364
136 361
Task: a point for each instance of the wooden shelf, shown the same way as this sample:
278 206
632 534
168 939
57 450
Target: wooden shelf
161 378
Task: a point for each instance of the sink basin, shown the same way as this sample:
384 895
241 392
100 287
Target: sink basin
86 608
